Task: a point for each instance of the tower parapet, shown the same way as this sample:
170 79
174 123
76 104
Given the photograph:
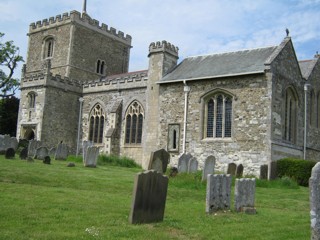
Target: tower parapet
163 46
85 20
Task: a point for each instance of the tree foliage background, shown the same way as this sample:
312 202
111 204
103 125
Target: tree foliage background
9 108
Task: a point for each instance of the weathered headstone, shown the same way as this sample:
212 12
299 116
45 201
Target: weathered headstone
8 142
32 147
218 193
239 171
183 162
273 170
24 153
47 160
61 152
193 165
244 195
85 145
52 151
208 167
90 160
149 197
159 161
232 167
314 183
41 153
10 153
264 171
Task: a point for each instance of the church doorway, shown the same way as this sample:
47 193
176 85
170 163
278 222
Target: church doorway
28 133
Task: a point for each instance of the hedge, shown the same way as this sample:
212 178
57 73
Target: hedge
297 169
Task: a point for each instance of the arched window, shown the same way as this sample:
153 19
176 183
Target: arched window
31 100
218 112
290 116
48 47
96 124
134 123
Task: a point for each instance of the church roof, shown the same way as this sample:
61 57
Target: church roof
306 67
220 65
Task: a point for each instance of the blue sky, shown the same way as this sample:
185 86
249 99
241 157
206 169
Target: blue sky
195 26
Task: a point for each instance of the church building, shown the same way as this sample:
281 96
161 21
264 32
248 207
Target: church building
247 107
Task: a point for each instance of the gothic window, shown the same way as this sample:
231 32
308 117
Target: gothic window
218 112
173 137
290 116
134 123
96 124
31 100
48 49
100 67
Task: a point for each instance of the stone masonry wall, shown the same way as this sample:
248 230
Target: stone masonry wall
251 105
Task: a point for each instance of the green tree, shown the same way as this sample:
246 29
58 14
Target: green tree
9 108
9 58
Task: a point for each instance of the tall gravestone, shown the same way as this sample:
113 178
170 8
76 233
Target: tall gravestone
244 195
41 153
183 162
314 188
239 171
159 161
91 158
264 171
149 197
193 165
61 152
232 167
218 192
32 147
208 167
85 145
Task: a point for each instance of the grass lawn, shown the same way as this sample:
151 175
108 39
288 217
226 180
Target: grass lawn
39 201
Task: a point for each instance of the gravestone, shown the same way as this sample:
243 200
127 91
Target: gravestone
85 145
208 167
239 171
24 153
159 161
52 151
273 170
47 160
10 153
218 192
8 142
193 165
41 153
244 195
61 152
90 160
264 171
149 197
232 167
183 162
23 143
32 147
314 183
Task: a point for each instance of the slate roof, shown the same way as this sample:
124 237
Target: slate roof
306 67
221 65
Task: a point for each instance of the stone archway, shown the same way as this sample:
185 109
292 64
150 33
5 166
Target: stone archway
28 133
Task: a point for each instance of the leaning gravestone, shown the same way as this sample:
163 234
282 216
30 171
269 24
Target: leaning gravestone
244 195
159 161
41 153
61 152
24 154
90 160
208 167
239 171
193 165
314 183
149 197
183 162
10 153
32 147
264 171
218 193
232 167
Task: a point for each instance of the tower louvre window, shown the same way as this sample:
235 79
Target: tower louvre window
49 47
100 67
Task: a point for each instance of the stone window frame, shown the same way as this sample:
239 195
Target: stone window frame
290 111
100 67
204 100
173 137
48 47
134 119
31 99
97 119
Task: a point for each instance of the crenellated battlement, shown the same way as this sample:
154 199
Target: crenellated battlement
134 79
84 19
163 46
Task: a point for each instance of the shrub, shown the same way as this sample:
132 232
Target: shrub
117 161
297 169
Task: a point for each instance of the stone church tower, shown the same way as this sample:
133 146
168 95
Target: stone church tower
63 53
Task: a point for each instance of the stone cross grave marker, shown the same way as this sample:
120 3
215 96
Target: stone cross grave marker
218 192
159 161
183 162
149 197
264 171
193 165
61 152
232 167
32 147
244 195
41 153
314 188
208 167
91 158
239 171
